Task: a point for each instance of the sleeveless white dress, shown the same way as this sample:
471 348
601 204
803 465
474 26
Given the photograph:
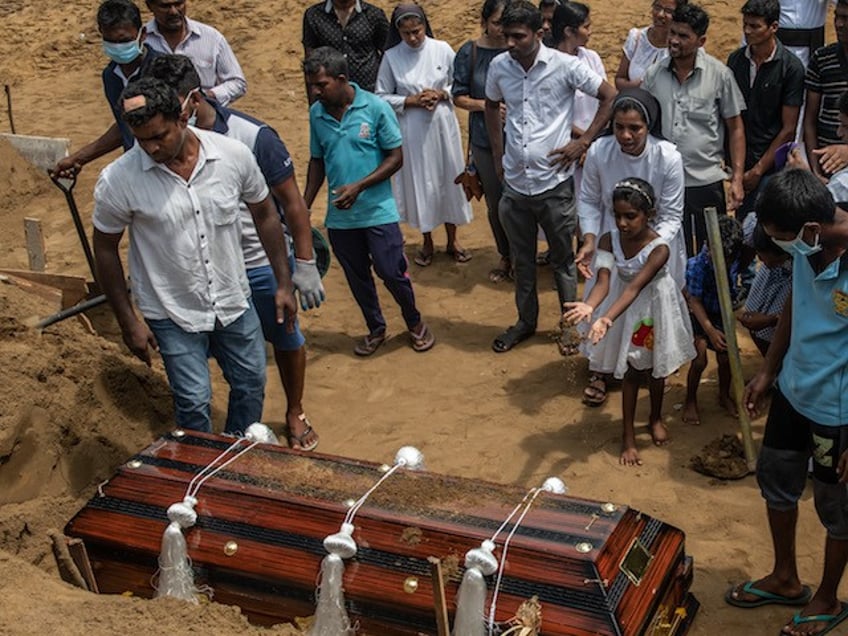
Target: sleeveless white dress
654 332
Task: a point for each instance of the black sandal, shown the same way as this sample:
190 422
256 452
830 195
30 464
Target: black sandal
509 338
595 392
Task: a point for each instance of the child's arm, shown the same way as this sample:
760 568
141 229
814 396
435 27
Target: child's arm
715 335
656 260
756 320
604 262
764 379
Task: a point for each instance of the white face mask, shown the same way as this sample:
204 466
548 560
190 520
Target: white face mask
798 246
192 119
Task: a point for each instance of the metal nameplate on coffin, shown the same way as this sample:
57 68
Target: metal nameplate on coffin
635 563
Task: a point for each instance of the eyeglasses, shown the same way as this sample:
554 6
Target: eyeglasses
658 8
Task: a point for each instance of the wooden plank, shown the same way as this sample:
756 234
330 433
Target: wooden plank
35 244
72 288
729 320
47 292
79 554
440 603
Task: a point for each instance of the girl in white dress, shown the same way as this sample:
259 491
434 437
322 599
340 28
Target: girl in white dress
415 77
635 149
641 324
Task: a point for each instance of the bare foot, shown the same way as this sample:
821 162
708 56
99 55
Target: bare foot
798 625
727 403
659 433
690 414
629 455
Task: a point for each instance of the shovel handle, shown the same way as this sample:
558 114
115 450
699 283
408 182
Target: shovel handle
59 181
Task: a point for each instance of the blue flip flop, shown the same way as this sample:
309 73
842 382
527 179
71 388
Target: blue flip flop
767 598
832 621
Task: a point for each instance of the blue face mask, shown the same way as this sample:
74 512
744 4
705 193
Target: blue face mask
798 246
123 52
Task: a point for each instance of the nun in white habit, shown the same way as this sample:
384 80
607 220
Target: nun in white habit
415 77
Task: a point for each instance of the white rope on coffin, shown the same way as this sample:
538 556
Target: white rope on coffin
175 574
331 618
551 485
470 619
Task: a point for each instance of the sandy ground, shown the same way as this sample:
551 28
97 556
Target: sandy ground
73 405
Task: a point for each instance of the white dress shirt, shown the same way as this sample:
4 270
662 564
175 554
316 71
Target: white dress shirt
185 257
211 55
539 114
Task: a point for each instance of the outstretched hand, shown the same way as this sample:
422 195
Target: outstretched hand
599 329
575 312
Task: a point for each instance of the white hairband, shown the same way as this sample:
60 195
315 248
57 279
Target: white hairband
635 186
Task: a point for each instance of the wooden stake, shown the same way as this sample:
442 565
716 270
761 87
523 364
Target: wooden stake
440 603
35 244
8 90
729 320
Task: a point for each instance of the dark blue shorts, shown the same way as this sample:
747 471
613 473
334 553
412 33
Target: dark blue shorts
263 287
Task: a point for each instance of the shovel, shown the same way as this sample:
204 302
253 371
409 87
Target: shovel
68 191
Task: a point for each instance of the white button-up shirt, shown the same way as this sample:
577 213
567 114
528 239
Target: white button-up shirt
211 55
185 257
539 113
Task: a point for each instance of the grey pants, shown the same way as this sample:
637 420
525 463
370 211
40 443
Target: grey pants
556 213
492 189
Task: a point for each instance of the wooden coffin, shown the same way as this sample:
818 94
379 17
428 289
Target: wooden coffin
596 568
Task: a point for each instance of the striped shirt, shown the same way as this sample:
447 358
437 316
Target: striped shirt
768 294
827 75
211 55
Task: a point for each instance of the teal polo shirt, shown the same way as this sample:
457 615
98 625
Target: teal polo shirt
814 377
352 149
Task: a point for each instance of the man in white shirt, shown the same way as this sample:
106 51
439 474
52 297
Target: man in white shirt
178 190
536 162
170 31
801 26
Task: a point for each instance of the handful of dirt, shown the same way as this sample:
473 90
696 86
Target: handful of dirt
723 458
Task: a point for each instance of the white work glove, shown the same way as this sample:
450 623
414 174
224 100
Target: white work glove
307 280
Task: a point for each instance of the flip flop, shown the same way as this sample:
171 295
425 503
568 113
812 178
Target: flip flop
423 340
832 621
509 338
370 343
298 439
460 256
422 259
766 598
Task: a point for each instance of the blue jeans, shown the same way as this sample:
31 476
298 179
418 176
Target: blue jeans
239 349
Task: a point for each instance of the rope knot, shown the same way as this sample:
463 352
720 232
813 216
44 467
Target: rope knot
341 543
482 558
182 513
